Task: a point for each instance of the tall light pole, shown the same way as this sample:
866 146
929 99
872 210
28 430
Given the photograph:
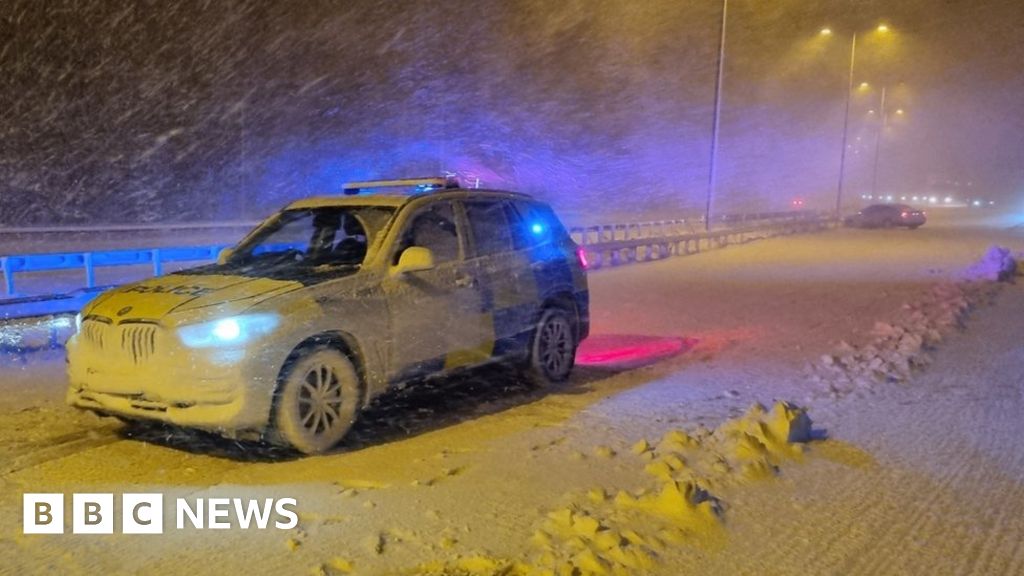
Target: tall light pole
846 126
882 28
712 168
878 142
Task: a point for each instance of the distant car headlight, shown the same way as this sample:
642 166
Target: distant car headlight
227 331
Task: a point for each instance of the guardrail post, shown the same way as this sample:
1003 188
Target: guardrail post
5 263
90 271
158 268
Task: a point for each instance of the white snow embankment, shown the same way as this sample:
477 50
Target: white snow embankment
901 345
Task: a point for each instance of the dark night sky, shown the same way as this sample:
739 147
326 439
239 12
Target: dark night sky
124 111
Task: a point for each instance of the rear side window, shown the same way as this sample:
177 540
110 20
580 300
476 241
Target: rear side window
535 224
433 227
490 226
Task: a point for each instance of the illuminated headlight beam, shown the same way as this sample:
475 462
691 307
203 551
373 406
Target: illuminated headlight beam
227 331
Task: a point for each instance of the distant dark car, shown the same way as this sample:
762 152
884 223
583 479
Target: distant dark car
887 216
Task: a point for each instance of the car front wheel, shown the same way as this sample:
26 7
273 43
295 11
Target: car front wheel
318 400
552 349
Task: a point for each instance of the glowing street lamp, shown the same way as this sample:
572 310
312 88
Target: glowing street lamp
716 121
846 116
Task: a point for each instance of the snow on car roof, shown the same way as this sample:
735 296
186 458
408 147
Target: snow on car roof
394 201
360 200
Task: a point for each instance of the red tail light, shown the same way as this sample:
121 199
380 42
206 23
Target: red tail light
581 255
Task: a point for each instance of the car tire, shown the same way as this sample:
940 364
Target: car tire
318 400
914 227
552 353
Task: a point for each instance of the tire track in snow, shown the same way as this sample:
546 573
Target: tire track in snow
921 522
49 449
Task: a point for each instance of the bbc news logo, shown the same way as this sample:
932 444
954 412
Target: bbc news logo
144 513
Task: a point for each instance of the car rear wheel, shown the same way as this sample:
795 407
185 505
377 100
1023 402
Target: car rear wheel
318 400
552 348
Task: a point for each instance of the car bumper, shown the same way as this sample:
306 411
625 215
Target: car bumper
209 389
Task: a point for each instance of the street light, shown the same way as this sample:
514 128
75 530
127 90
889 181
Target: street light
846 125
846 116
883 120
712 168
878 141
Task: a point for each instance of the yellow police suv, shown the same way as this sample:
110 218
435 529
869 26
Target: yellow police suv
328 303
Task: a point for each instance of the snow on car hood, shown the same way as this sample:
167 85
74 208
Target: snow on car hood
155 298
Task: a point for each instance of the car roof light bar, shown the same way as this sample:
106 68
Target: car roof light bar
420 184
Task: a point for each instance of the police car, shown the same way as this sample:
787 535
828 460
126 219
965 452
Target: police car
331 301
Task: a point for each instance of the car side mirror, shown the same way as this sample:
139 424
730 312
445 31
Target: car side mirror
224 255
413 259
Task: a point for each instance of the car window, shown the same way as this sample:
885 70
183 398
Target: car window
293 234
535 224
433 227
490 227
521 236
314 236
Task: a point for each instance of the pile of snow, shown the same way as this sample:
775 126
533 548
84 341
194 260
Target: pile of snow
625 533
998 265
900 346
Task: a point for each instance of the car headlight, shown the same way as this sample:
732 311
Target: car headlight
227 331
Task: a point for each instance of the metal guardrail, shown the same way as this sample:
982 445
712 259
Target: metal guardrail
616 244
606 244
658 228
106 228
89 261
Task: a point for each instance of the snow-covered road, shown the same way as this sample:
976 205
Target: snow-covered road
920 477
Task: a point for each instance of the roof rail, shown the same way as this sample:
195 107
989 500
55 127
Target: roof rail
421 184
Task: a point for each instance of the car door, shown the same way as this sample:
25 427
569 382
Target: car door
503 264
434 314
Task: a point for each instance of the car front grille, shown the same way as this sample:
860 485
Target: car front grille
137 340
95 331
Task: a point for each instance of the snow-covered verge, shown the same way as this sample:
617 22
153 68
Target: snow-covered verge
901 345
921 478
598 532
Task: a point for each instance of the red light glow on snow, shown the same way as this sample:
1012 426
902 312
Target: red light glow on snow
629 350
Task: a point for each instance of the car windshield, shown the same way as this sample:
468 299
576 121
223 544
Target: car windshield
336 236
